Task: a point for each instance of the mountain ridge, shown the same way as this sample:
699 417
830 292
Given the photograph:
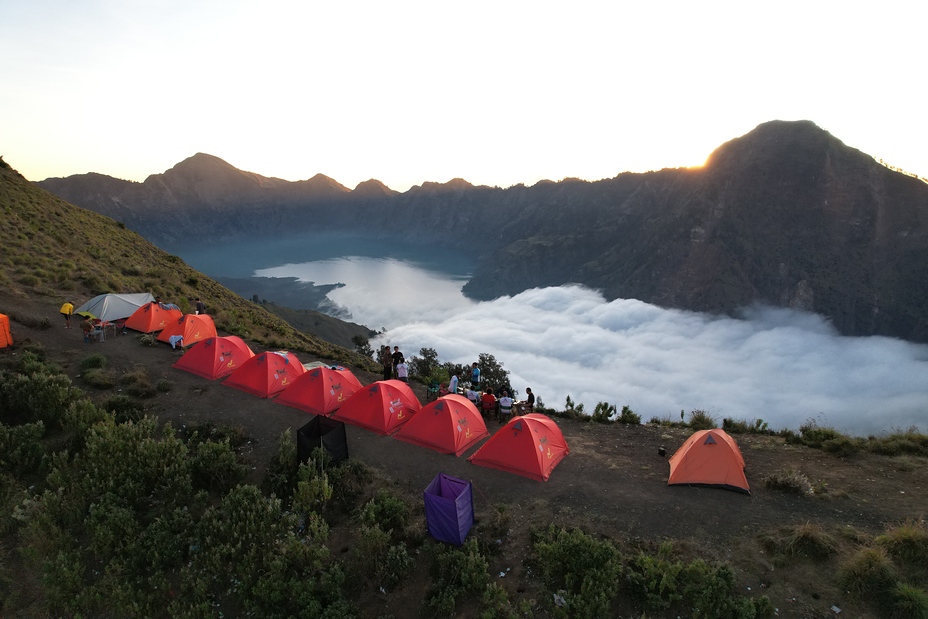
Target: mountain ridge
786 215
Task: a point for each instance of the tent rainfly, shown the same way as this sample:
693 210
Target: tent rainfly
266 374
191 327
215 357
449 509
323 432
320 390
709 458
110 307
381 407
530 445
451 425
6 339
153 317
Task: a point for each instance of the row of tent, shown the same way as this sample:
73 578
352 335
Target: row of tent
451 424
531 445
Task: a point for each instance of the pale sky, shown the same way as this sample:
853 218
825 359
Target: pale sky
498 92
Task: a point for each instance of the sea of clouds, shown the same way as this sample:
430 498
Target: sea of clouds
779 365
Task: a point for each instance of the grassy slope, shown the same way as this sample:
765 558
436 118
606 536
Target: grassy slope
56 250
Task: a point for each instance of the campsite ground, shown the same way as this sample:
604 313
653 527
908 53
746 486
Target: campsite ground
612 484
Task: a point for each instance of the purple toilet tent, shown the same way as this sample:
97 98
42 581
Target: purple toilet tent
449 509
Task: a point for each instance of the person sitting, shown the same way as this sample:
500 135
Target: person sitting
442 390
505 407
523 407
87 328
488 404
473 396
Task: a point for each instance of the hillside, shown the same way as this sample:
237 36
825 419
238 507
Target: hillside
106 511
56 251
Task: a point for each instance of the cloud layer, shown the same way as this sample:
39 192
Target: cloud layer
779 365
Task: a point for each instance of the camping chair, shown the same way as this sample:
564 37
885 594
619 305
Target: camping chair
120 325
431 391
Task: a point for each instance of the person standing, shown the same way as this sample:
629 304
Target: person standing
387 362
397 355
474 376
453 384
66 310
201 306
402 372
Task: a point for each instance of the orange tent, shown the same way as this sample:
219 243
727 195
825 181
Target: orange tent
152 317
215 357
321 390
530 445
709 458
6 339
192 327
381 407
450 425
266 374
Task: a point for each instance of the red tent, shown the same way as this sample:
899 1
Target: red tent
266 374
381 407
709 458
192 327
153 317
215 357
530 445
5 338
320 390
451 425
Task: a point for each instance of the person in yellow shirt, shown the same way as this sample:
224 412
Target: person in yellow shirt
66 310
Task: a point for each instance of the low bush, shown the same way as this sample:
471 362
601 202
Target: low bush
789 480
740 426
869 573
215 467
804 540
603 413
701 420
124 409
94 361
907 543
630 417
457 574
98 378
908 602
385 510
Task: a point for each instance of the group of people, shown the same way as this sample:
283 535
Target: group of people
93 330
394 364
501 407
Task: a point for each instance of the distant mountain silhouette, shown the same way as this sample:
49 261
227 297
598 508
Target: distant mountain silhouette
786 215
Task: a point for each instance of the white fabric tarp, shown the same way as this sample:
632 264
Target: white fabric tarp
109 307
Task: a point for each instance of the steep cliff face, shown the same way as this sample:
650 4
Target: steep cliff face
786 215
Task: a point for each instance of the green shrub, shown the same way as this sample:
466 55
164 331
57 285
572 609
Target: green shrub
124 409
740 426
868 573
603 413
701 420
629 416
36 397
385 510
21 447
164 385
98 378
215 467
908 602
584 569
907 543
808 540
94 361
457 573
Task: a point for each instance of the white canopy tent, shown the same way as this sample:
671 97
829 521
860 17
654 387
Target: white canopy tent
109 307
